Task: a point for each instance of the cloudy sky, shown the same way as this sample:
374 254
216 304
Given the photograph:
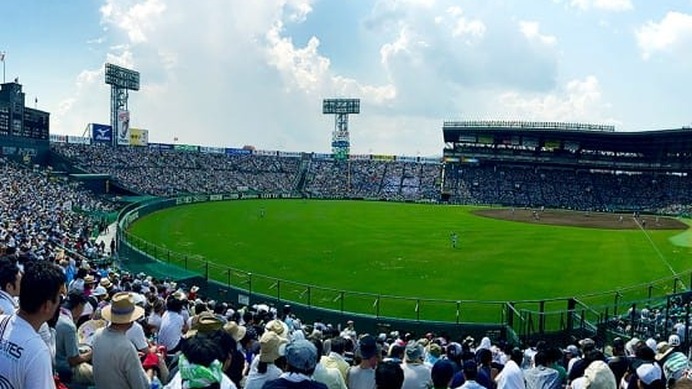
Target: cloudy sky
238 72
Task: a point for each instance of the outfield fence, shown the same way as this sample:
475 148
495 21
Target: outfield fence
600 315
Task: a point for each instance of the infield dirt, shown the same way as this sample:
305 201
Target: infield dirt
613 221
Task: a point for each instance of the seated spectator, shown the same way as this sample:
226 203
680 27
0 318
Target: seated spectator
71 363
263 368
201 365
115 360
301 359
27 362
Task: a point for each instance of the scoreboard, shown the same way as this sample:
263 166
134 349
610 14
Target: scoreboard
20 121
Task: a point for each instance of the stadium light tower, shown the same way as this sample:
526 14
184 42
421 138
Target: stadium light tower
121 81
341 144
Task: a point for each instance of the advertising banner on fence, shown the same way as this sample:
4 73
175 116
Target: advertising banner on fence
212 150
160 146
429 160
265 152
101 133
58 138
139 137
78 140
379 157
190 148
123 128
232 151
322 156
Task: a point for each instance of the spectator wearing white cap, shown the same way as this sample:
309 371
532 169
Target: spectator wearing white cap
650 376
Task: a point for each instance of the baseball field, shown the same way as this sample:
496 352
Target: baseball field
376 250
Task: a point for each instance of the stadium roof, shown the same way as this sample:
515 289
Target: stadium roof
649 143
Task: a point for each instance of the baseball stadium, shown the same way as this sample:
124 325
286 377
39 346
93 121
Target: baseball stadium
535 227
519 231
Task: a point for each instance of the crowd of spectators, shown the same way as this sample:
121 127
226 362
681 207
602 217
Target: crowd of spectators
524 186
171 172
93 324
112 329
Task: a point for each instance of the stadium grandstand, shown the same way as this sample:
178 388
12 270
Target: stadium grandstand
567 165
49 215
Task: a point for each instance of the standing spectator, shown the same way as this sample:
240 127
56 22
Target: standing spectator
115 360
26 359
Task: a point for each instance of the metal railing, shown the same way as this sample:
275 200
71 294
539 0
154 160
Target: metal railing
527 318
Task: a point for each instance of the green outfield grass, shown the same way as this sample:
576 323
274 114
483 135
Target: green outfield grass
405 250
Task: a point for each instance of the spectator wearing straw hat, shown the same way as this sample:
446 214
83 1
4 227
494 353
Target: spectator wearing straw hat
264 368
115 360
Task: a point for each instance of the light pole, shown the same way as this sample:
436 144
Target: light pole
2 58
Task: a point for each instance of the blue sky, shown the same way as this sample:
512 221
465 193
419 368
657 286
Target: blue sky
233 73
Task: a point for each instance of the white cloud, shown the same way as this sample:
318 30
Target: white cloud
605 5
470 29
531 31
135 19
672 35
578 100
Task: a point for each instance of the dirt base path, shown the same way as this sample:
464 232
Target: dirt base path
614 221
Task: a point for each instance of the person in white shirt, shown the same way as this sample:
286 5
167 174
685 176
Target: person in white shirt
26 359
10 280
262 368
416 373
511 376
173 325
